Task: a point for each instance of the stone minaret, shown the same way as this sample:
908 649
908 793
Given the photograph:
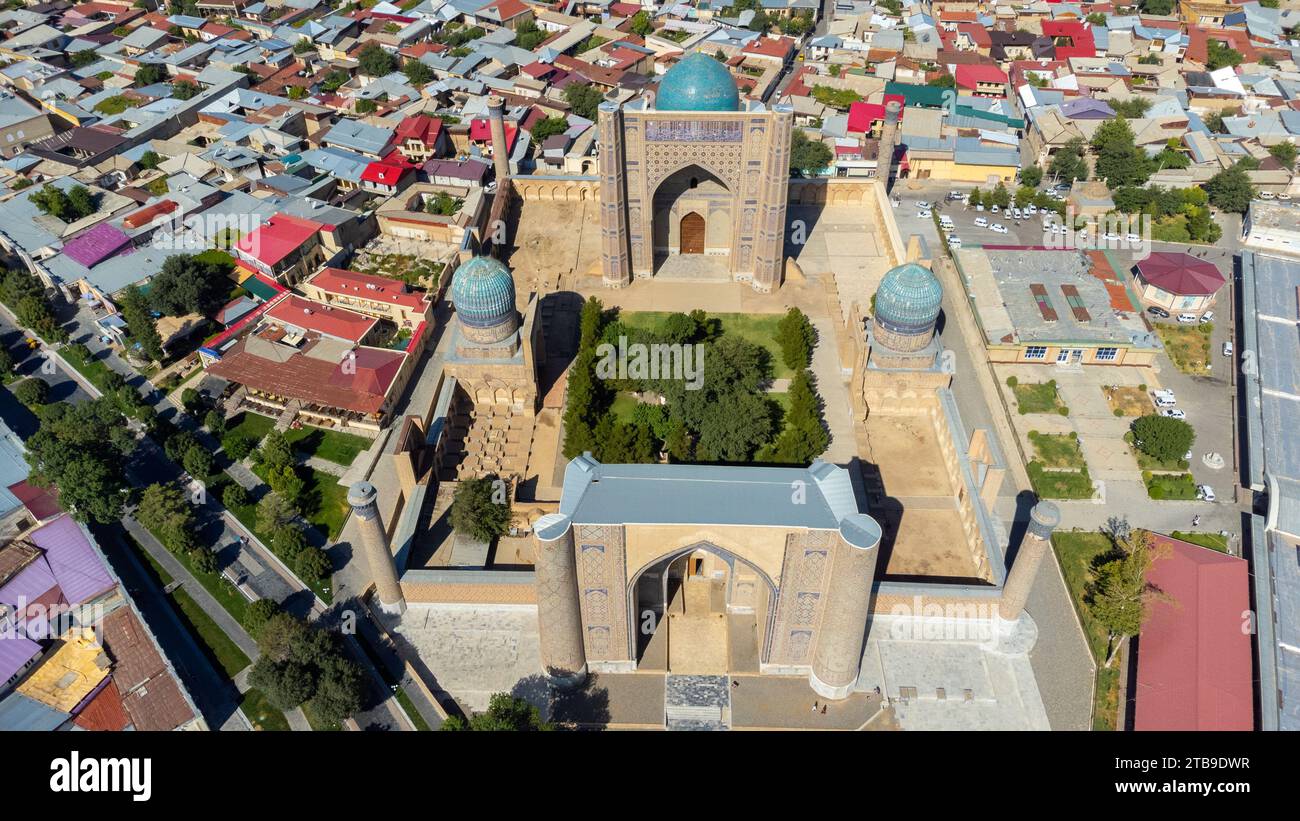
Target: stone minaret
888 143
838 656
500 154
1043 519
615 256
769 244
559 617
374 541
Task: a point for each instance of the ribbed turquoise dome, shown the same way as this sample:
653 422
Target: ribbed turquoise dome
908 299
483 293
697 83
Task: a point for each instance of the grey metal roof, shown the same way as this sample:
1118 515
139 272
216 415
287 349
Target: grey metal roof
819 496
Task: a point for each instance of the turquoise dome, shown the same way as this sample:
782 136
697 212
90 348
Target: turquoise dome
483 293
697 83
908 299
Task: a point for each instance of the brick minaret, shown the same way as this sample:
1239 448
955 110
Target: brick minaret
848 603
559 619
888 143
374 541
1043 519
500 152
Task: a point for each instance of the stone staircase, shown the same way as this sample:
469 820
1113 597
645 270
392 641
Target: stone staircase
701 703
487 439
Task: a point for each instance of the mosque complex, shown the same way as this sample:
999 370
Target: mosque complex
706 596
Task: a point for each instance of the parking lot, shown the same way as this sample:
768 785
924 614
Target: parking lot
1028 230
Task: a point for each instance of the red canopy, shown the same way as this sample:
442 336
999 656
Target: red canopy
1181 274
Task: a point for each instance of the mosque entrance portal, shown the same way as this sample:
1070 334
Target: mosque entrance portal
692 616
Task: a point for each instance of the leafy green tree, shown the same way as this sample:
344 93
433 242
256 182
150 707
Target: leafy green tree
1159 8
258 613
1220 55
1132 108
7 363
807 156
32 391
641 24
178 444
140 323
476 513
234 495
546 128
505 713
1162 437
797 337
197 462
286 684
1284 153
528 36
149 160
189 284
237 446
1119 160
311 564
338 690
1068 163
286 482
677 442
169 516
1120 595
288 540
1000 196
215 421
1230 190
374 61
584 99
71 205
149 74
83 58
417 73
184 89
203 560
586 396
282 635
1031 175
274 512
275 451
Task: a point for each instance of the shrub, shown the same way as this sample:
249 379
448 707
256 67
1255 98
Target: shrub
234 496
1063 410
1012 381
237 447
203 560
1118 412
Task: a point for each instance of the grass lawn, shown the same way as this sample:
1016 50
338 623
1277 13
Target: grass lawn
409 706
1058 450
223 648
260 712
330 445
1054 484
93 369
1187 345
757 328
1170 486
624 406
220 589
1147 462
1037 397
1076 553
1211 540
251 426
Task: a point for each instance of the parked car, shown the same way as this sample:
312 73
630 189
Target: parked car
995 210
1187 319
1173 413
981 222
1031 209
1284 196
896 202
1205 492
923 214
1133 239
998 228
954 241
1208 316
923 205
1266 195
979 206
1165 401
1155 310
1227 349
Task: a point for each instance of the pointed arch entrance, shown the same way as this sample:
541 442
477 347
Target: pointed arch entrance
692 234
700 609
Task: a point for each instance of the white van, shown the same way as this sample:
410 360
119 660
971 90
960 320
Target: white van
981 222
945 220
1165 402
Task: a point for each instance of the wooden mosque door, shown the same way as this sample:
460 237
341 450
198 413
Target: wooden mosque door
692 239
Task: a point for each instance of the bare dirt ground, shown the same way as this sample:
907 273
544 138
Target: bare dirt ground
1129 401
552 241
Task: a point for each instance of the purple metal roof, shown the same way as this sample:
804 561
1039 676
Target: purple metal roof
96 245
34 581
72 558
15 651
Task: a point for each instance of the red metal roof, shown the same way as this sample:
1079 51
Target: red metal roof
969 76
480 131
327 320
384 173
367 286
1181 274
1193 656
277 238
422 128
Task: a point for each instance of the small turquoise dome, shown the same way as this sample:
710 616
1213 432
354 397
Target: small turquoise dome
908 299
697 83
483 293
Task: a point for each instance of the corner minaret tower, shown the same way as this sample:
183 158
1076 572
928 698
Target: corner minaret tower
363 498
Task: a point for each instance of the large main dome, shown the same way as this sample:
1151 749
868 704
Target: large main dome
909 299
483 293
697 83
